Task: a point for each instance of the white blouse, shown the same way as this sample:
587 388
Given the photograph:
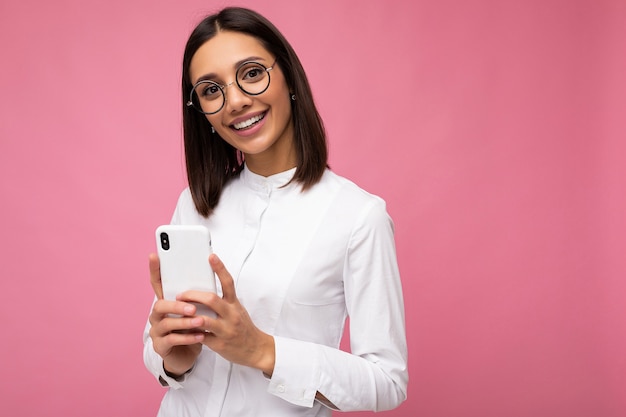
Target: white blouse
302 262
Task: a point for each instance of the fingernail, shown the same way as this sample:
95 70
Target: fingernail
199 336
188 310
196 321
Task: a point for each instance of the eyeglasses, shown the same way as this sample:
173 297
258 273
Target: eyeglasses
209 97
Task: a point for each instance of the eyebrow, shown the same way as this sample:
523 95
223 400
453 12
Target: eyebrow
211 76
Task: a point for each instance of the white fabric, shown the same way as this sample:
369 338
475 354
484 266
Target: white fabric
302 262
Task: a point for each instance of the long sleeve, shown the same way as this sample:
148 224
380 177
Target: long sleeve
374 375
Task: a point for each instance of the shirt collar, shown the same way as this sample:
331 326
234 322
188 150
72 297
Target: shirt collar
267 184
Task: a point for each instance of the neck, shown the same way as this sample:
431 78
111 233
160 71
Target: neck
267 165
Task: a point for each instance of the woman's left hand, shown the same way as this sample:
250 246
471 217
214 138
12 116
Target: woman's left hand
232 334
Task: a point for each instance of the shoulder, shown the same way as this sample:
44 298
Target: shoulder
185 201
185 212
364 209
351 193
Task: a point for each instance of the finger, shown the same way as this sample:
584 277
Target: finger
179 339
164 344
183 325
209 299
155 275
228 285
165 307
162 326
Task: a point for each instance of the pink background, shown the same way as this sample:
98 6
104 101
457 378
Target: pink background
495 131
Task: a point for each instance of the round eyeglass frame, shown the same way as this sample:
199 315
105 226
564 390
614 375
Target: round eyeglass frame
223 87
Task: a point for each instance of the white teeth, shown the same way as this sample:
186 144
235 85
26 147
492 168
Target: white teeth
249 122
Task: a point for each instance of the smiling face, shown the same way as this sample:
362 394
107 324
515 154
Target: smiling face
259 126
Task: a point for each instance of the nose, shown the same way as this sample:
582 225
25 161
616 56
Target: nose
236 100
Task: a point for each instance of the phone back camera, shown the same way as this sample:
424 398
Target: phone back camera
165 241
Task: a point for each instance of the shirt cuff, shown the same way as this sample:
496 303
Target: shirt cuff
296 372
172 382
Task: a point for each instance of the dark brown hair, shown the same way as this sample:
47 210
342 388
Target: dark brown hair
211 161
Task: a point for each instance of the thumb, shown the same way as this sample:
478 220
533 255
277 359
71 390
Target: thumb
155 275
228 285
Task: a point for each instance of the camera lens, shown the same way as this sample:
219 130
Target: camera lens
165 241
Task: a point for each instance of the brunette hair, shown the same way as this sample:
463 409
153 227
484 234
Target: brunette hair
212 162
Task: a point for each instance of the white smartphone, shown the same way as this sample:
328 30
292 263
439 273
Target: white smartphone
184 257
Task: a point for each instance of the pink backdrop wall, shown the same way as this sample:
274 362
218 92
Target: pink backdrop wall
495 130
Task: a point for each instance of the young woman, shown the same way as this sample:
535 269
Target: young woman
300 248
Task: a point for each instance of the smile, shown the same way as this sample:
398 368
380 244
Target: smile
248 123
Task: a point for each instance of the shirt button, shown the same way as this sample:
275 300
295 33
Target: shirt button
280 388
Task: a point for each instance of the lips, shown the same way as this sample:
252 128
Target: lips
248 123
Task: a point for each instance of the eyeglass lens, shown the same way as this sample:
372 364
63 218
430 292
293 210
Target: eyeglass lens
209 97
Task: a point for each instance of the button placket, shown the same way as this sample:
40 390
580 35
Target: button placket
267 188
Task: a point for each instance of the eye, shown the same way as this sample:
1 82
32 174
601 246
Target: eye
253 73
208 90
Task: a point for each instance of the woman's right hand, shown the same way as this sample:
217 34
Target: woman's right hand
173 338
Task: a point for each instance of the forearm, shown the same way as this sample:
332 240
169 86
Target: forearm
337 379
152 361
175 369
